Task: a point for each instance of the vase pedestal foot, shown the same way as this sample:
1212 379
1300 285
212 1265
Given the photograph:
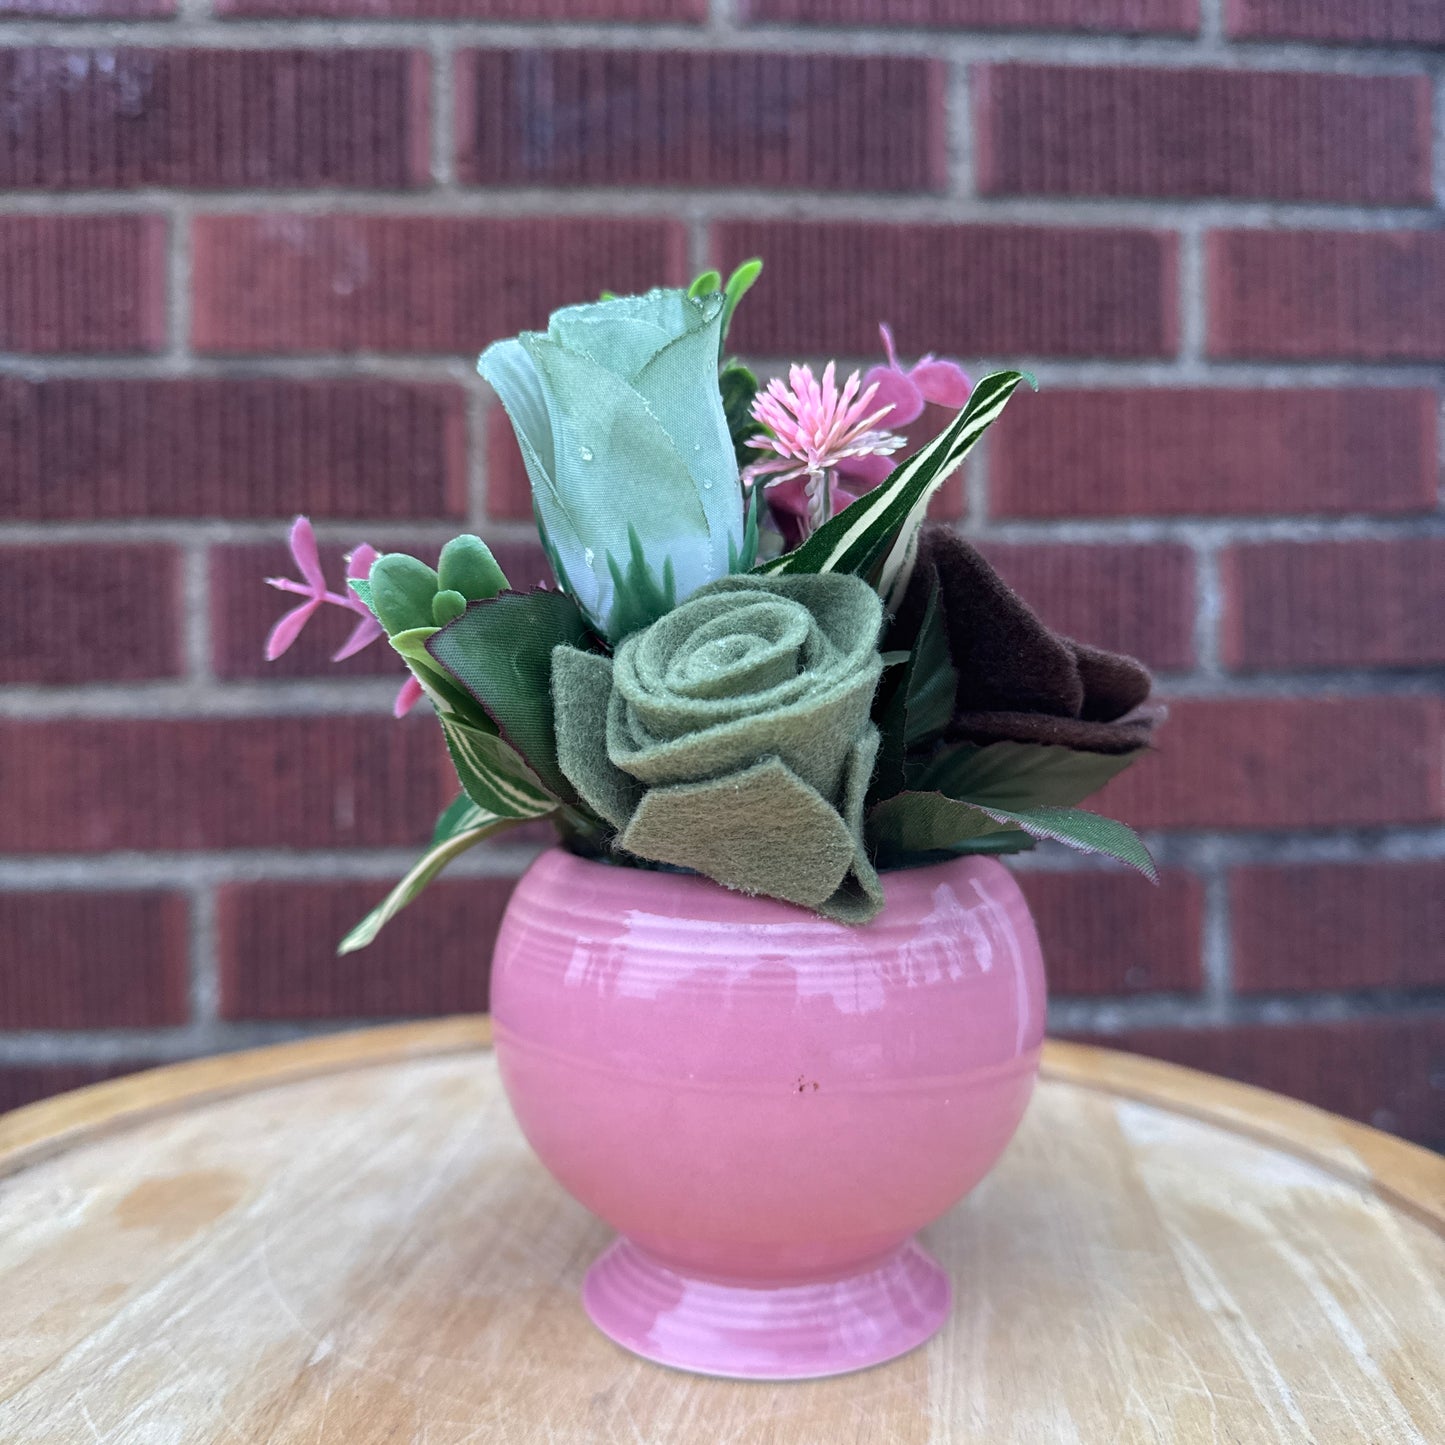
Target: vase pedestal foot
787 1332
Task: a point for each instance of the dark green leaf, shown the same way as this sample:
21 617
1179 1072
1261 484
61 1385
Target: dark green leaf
500 651
1019 775
739 387
921 703
402 589
467 566
1087 832
912 823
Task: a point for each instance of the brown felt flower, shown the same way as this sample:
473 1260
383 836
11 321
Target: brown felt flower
1017 680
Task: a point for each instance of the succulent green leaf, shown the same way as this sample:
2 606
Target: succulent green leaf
876 536
446 606
706 284
500 652
738 286
467 566
742 561
470 828
638 598
402 589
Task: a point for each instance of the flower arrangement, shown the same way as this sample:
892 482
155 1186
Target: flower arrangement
760 662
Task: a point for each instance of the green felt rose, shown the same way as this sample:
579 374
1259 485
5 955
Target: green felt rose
737 740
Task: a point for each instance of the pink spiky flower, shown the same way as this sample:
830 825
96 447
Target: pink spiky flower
812 427
313 588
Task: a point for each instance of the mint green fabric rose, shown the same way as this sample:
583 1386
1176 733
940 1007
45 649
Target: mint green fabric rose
737 739
634 478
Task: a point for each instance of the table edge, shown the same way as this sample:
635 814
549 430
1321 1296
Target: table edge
1402 1174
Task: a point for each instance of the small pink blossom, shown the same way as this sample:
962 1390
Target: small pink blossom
929 379
313 588
812 428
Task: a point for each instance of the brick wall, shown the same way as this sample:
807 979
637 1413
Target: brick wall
249 249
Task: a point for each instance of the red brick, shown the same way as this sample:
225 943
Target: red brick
1356 295
1382 22
1386 1071
277 945
1214 451
22 1084
1376 603
85 9
97 785
529 10
965 290
1132 598
1288 762
215 118
244 609
82 283
1304 926
700 118
91 613
100 448
1170 17
440 284
1108 933
1132 131
93 960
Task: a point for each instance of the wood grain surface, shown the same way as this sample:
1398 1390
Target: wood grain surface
348 1241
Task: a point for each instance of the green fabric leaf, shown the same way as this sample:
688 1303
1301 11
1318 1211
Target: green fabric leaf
362 588
447 606
500 651
442 851
402 589
446 696
1019 775
492 773
1087 832
638 598
921 704
877 536
912 823
466 565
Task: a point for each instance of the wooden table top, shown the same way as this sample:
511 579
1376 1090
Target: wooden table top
347 1241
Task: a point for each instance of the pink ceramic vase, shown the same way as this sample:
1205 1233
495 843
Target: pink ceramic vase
766 1106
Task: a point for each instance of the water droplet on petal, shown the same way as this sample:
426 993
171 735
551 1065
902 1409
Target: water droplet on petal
586 454
588 555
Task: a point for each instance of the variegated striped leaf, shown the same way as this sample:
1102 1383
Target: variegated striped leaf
875 536
478 823
493 773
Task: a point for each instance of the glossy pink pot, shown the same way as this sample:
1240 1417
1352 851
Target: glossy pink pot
766 1106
